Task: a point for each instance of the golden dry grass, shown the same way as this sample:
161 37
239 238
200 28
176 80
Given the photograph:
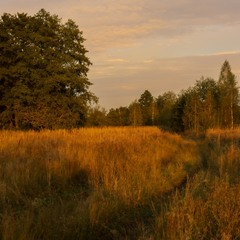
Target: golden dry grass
208 207
119 183
208 210
89 183
223 133
120 159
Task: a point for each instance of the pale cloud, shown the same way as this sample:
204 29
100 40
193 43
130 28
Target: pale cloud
159 76
148 61
110 23
117 60
125 23
224 53
158 45
128 87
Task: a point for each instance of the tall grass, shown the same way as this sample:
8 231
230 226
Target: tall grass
89 183
206 210
119 183
208 207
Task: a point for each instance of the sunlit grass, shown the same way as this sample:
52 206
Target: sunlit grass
207 210
208 207
88 183
119 183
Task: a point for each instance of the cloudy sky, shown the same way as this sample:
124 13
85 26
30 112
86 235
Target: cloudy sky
158 45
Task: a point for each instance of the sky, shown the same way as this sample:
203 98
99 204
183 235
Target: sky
155 45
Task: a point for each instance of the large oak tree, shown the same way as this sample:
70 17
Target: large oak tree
43 72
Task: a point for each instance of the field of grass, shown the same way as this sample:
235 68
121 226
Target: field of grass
208 207
119 183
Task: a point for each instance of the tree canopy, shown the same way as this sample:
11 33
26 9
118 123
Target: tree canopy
207 104
228 96
44 84
43 72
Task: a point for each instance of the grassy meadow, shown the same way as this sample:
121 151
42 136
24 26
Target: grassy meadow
119 183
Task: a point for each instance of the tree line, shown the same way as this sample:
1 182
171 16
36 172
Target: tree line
208 104
44 84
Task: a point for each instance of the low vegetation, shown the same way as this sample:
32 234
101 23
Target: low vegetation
208 206
88 183
119 183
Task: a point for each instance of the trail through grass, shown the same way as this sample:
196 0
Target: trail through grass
119 183
208 207
88 183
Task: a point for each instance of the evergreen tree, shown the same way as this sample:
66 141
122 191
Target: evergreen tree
43 72
228 96
177 123
149 108
165 103
118 116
